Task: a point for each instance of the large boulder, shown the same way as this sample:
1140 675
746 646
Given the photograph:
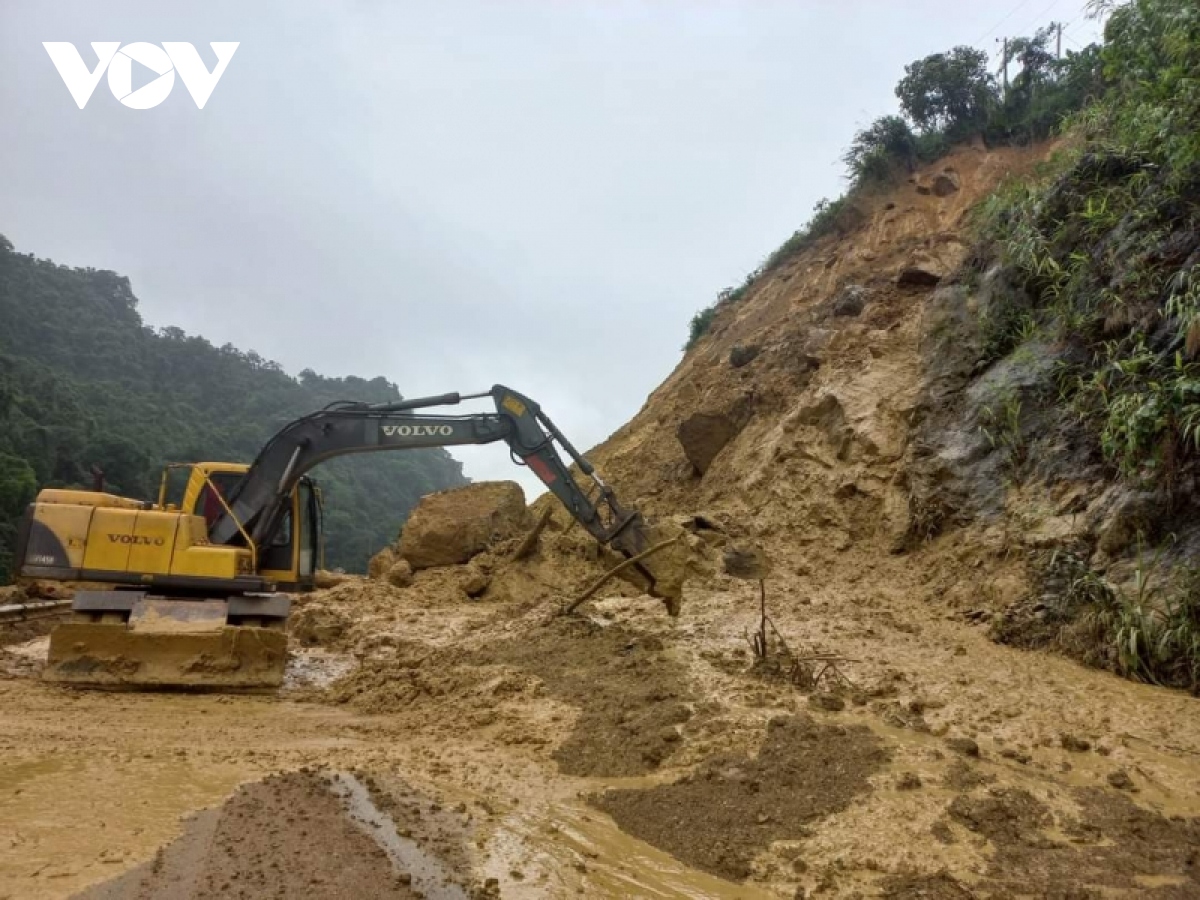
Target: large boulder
703 436
450 527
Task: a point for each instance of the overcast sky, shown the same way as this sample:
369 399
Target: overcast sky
455 194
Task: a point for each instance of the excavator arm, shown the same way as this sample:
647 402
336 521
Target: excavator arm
258 503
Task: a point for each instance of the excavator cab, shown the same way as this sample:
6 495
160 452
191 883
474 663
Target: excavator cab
291 557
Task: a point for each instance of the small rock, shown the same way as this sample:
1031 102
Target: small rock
850 300
474 582
908 781
1121 781
745 562
945 183
400 574
827 702
1074 744
1016 755
963 745
381 563
743 355
324 578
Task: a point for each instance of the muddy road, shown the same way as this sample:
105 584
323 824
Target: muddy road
487 753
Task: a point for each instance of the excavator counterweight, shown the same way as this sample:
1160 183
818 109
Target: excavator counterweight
194 592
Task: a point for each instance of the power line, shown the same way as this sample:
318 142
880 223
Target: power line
1075 42
1012 12
1040 16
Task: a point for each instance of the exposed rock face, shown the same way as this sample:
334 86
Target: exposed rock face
1123 516
450 527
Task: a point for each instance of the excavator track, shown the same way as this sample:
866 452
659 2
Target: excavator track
128 639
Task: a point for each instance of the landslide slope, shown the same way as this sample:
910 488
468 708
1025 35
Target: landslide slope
820 420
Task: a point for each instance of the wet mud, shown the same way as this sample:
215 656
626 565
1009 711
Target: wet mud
719 817
285 836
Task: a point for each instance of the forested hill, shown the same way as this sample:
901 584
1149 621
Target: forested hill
84 381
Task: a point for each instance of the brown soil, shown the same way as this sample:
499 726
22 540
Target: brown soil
732 807
286 836
632 697
1110 847
924 887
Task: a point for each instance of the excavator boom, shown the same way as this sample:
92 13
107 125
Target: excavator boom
259 501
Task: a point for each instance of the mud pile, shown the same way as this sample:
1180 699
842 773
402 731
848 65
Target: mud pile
803 773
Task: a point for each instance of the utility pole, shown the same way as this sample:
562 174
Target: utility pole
1058 48
1005 53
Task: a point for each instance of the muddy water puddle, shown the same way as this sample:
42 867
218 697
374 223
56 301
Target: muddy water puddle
69 819
428 874
543 848
573 849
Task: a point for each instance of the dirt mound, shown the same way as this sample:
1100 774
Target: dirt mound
718 818
631 695
450 527
286 836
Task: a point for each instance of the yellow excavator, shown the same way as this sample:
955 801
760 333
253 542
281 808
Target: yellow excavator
193 592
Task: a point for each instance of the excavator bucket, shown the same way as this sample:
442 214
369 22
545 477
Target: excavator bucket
663 559
129 639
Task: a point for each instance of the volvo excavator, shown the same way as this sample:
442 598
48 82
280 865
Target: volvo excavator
193 593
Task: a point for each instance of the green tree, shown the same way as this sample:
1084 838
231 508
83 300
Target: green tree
18 484
879 149
951 91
